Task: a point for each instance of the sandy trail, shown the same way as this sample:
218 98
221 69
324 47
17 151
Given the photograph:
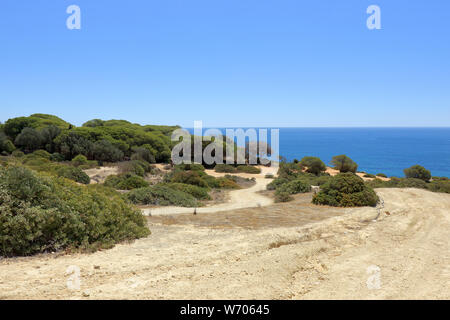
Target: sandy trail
326 259
237 199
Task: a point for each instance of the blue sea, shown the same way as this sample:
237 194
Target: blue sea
376 150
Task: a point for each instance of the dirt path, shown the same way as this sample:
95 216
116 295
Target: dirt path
236 199
327 258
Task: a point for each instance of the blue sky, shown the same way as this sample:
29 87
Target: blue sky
276 63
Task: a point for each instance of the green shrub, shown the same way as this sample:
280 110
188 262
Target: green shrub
412 183
369 175
137 167
248 169
41 214
294 187
226 183
381 175
418 172
190 166
269 176
344 164
225 168
276 183
346 190
195 191
161 195
57 157
79 160
283 197
439 186
143 154
17 154
127 181
42 154
73 173
313 164
189 177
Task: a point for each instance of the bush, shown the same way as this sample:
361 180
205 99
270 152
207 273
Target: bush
439 186
105 151
195 191
369 175
283 197
225 168
418 172
276 183
41 214
382 175
344 164
144 154
137 167
412 183
161 195
346 190
189 177
248 169
17 154
294 187
29 139
269 176
190 167
73 173
226 183
5 144
313 164
125 181
79 160
42 154
57 157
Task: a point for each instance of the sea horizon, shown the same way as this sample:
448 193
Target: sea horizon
387 150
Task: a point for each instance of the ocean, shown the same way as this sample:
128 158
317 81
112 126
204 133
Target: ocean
375 150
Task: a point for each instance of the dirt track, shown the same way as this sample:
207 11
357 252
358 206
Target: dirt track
236 199
326 257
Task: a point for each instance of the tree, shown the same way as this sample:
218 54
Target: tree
13 127
5 144
142 153
313 165
48 135
105 151
71 144
30 139
418 172
344 164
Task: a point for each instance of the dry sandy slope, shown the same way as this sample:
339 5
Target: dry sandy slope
325 259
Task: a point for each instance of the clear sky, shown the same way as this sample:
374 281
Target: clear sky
229 63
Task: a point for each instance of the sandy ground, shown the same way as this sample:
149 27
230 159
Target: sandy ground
99 175
236 199
340 254
334 172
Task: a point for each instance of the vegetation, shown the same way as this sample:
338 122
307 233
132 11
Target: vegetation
283 197
161 195
344 164
227 168
294 187
111 141
382 175
346 190
313 165
40 213
418 172
126 181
